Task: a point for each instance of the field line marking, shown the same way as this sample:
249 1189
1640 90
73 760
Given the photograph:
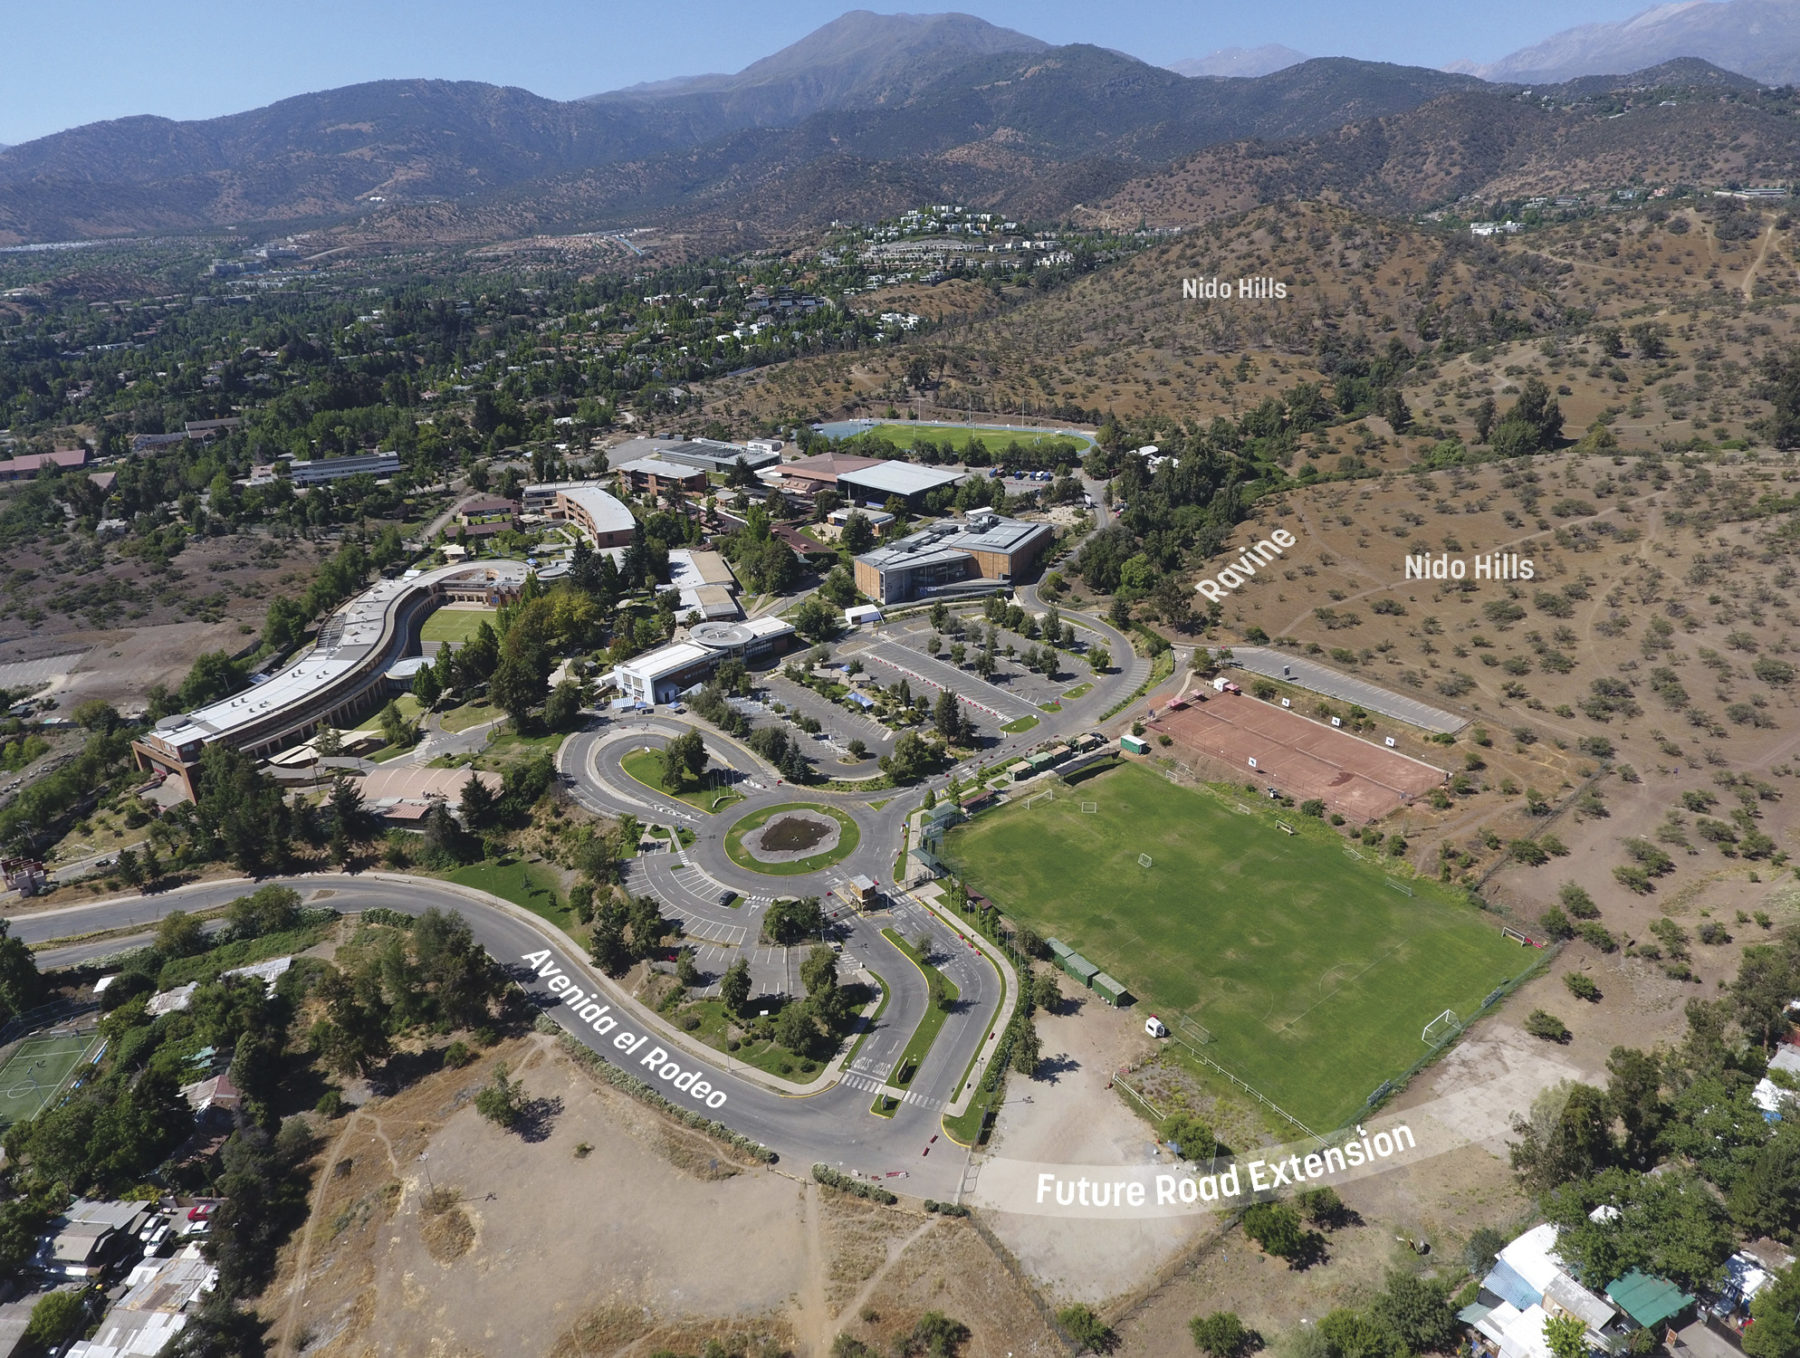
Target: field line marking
1335 990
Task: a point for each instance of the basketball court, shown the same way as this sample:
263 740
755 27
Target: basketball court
1303 759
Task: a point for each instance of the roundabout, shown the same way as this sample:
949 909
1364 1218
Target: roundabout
792 839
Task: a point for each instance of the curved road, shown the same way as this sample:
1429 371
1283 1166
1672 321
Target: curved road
833 1126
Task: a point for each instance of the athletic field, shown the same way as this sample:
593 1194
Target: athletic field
37 1071
1311 973
959 437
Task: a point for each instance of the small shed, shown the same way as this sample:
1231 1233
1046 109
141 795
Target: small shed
1134 745
1021 771
1040 761
857 614
1058 949
1109 989
1080 968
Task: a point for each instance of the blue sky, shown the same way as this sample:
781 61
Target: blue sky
77 61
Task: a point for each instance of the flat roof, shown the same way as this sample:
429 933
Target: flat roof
657 466
898 478
666 660
349 639
949 537
690 568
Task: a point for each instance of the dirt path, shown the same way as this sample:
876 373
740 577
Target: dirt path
895 1250
1748 286
284 1341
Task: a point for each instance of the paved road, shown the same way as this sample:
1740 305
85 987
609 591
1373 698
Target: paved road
1317 678
833 1126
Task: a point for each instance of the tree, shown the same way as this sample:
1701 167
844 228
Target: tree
1418 1311
1046 991
501 1101
395 729
131 867
352 1036
606 943
949 720
1027 1048
267 910
1542 1023
734 986
1776 1313
54 1318
816 620
683 758
426 687
1191 1137
1087 1329
1100 659
179 934
1220 1334
563 707
787 922
21 987
686 971
818 973
477 803
1567 1136
1485 412
1779 384
1276 1227
215 675
517 687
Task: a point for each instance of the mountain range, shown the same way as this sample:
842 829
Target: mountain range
866 115
1757 38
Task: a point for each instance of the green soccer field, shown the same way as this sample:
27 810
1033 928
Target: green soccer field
958 437
36 1072
1313 975
455 625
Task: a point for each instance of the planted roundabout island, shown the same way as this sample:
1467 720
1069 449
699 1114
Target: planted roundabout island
792 839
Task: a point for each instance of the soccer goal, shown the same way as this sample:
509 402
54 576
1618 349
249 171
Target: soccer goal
1441 1029
1047 795
1284 827
1401 887
1090 808
1143 860
1191 1033
1518 936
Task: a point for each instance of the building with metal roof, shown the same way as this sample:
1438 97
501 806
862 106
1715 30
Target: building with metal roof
602 517
1652 1302
660 676
340 677
906 480
952 556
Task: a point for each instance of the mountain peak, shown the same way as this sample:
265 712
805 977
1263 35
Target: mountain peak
1756 38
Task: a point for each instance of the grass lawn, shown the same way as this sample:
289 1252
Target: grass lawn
532 885
764 1055
1313 975
959 437
1022 724
506 745
470 714
455 625
646 767
1079 691
850 837
933 1022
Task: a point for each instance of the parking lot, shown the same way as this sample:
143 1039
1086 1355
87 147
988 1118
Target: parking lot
840 725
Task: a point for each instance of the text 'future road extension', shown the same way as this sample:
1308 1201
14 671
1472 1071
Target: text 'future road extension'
597 1015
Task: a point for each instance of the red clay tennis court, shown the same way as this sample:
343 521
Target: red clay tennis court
1301 758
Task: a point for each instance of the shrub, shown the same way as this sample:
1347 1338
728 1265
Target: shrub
458 1054
1540 1023
1582 987
1276 1227
1086 1328
1219 1335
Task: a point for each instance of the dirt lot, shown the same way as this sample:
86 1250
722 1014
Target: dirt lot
1074 1118
435 1233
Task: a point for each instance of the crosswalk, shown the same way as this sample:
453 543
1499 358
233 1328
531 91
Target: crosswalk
871 1086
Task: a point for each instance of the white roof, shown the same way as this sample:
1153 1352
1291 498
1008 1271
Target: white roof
898 478
859 613
1523 1336
769 626
1533 1256
1748 1273
1786 1058
171 1001
1769 1096
1572 1297
358 629
666 660
267 972
608 513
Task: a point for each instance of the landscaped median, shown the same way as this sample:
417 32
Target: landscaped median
944 996
645 766
849 836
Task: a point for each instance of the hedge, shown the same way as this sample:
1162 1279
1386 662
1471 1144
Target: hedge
830 1177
